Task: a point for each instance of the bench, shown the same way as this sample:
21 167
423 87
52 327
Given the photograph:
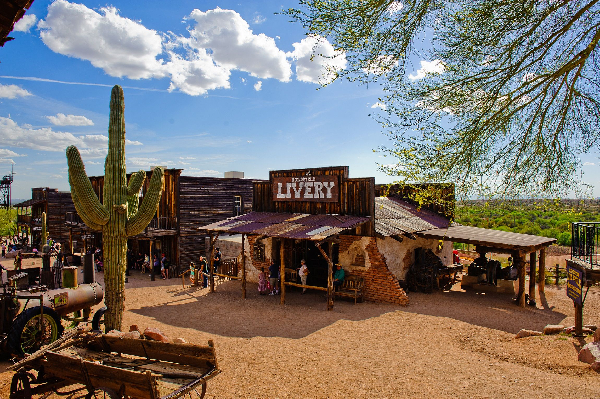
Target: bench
352 287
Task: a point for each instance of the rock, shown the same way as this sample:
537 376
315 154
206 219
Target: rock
595 366
156 335
592 327
179 341
132 335
527 333
590 353
597 336
115 333
553 329
134 327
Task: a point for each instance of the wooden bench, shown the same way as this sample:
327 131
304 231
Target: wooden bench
352 287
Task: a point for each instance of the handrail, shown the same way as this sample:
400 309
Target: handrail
585 242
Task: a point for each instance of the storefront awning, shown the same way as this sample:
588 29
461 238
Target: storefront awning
299 226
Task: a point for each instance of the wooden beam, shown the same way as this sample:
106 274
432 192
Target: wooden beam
243 268
542 272
329 277
211 273
282 270
518 260
532 276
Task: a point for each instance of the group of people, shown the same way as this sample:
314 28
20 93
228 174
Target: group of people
272 284
203 268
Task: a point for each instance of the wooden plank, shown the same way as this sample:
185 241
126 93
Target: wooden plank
136 384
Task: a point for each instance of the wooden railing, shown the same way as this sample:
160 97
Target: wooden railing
585 242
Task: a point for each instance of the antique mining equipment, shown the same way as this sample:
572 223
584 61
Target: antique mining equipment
30 319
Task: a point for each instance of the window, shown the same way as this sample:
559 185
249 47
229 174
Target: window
237 205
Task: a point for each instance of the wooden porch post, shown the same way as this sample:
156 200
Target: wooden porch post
542 272
211 277
329 277
532 276
282 270
243 269
518 259
151 263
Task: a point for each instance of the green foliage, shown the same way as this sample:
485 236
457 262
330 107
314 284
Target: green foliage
512 99
8 222
540 217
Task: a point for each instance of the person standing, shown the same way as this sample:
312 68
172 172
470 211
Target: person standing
303 273
18 260
217 260
338 276
3 250
203 270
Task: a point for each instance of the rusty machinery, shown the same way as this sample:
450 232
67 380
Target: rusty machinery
32 318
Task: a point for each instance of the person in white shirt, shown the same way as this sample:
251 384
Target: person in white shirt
303 273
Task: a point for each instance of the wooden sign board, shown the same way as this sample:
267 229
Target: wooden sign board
574 284
306 188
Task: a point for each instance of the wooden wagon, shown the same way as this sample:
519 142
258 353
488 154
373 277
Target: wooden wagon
113 367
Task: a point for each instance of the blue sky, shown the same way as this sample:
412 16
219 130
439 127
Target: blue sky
210 87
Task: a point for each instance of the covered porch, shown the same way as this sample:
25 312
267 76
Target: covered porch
519 246
292 236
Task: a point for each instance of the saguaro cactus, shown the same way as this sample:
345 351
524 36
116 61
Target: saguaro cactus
44 238
118 215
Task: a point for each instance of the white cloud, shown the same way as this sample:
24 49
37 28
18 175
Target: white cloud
25 23
69 120
258 86
187 157
394 7
196 75
227 37
258 19
148 162
589 164
119 46
379 105
381 64
45 139
12 91
8 153
202 173
56 176
131 142
316 60
428 67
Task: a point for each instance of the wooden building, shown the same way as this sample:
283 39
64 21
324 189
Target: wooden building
325 217
187 202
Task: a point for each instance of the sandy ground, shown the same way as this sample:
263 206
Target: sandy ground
453 344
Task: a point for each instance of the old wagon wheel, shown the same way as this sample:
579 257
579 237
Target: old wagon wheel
31 330
98 319
20 387
103 393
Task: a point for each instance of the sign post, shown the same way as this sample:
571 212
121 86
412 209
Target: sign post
575 291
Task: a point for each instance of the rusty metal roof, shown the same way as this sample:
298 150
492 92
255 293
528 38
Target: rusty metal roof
394 217
300 226
504 240
29 202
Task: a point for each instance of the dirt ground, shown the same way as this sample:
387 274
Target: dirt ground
454 344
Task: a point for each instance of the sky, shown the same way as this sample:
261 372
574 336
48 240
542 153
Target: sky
210 87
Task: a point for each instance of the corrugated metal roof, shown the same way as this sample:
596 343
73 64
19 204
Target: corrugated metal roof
29 202
287 225
491 238
394 217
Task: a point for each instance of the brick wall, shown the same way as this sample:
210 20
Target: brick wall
380 284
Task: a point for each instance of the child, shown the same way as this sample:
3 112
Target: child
263 284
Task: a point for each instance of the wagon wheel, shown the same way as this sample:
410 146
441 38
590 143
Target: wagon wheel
103 393
98 319
20 387
28 335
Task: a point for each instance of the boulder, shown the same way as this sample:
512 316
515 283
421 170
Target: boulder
132 335
590 353
179 341
553 329
527 333
597 336
595 366
134 327
156 335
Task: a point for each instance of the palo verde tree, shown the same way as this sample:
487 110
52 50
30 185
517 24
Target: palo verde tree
118 216
510 101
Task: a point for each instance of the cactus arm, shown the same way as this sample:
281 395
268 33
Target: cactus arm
145 213
82 187
80 212
133 192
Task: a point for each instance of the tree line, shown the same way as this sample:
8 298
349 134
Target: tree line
547 218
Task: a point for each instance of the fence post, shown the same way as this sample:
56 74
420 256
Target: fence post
557 275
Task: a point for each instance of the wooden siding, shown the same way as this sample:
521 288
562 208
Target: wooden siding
357 197
205 200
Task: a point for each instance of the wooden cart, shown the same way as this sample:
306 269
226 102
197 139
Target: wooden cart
113 367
